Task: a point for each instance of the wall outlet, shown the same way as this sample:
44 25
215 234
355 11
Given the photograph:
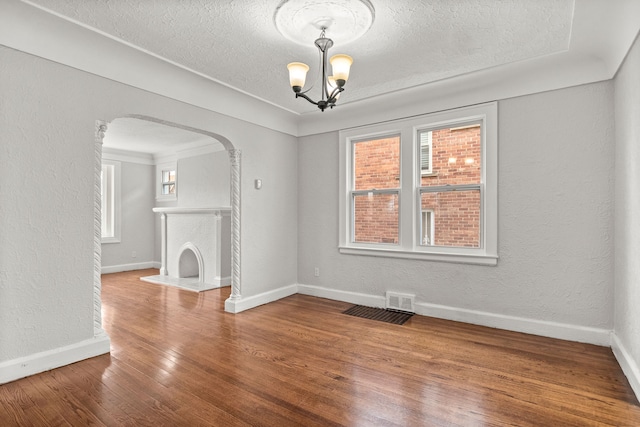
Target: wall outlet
316 272
134 254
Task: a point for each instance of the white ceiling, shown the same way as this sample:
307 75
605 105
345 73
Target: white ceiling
144 136
410 43
418 56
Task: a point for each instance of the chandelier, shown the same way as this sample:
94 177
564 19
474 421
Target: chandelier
331 86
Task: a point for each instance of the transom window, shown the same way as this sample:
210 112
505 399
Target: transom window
424 187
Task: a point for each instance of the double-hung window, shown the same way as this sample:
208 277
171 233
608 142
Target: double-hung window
167 181
422 188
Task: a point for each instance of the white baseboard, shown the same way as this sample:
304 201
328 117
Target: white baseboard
350 297
129 267
511 323
222 281
242 304
626 362
15 369
543 328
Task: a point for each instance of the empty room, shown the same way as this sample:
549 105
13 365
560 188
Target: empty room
314 212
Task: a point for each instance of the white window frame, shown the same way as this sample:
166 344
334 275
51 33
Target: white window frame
409 246
111 201
160 168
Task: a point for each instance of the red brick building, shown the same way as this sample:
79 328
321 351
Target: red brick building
449 157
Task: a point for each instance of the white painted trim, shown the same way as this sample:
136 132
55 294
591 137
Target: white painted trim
543 328
221 282
15 369
109 153
129 267
338 295
236 305
510 323
626 362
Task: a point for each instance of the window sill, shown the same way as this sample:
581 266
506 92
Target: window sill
168 198
480 259
110 240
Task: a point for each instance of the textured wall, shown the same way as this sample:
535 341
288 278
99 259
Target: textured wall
627 237
137 222
204 181
47 122
556 162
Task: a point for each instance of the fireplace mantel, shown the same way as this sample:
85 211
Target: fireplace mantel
204 232
221 211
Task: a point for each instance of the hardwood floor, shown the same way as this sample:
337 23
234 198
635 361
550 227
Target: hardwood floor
178 359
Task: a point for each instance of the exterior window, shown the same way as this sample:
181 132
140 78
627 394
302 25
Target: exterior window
168 182
110 192
427 230
375 195
453 191
425 152
422 188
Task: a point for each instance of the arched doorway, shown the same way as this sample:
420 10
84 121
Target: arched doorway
101 127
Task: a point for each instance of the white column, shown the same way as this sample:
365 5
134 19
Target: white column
163 247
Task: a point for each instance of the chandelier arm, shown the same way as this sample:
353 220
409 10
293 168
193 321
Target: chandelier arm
334 93
302 95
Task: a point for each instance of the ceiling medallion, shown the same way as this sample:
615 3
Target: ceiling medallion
300 20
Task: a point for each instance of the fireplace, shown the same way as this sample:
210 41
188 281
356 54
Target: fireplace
196 248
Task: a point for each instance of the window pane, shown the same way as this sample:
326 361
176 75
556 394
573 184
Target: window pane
456 218
455 156
172 176
168 189
377 163
375 218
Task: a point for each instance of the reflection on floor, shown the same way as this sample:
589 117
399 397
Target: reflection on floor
189 283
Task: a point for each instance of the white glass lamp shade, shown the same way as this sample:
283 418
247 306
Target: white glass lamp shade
297 73
340 65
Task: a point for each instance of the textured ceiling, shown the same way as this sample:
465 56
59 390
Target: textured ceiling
410 43
143 136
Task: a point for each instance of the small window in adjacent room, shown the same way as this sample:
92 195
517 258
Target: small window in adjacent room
167 178
168 182
110 192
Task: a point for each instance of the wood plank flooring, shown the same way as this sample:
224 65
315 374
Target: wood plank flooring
178 359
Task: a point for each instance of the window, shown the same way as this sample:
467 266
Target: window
425 152
422 188
167 181
110 192
427 230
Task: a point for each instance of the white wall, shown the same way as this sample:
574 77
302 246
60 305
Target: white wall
47 121
204 181
554 275
137 232
627 236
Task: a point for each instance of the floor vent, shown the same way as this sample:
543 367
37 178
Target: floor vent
380 314
402 302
